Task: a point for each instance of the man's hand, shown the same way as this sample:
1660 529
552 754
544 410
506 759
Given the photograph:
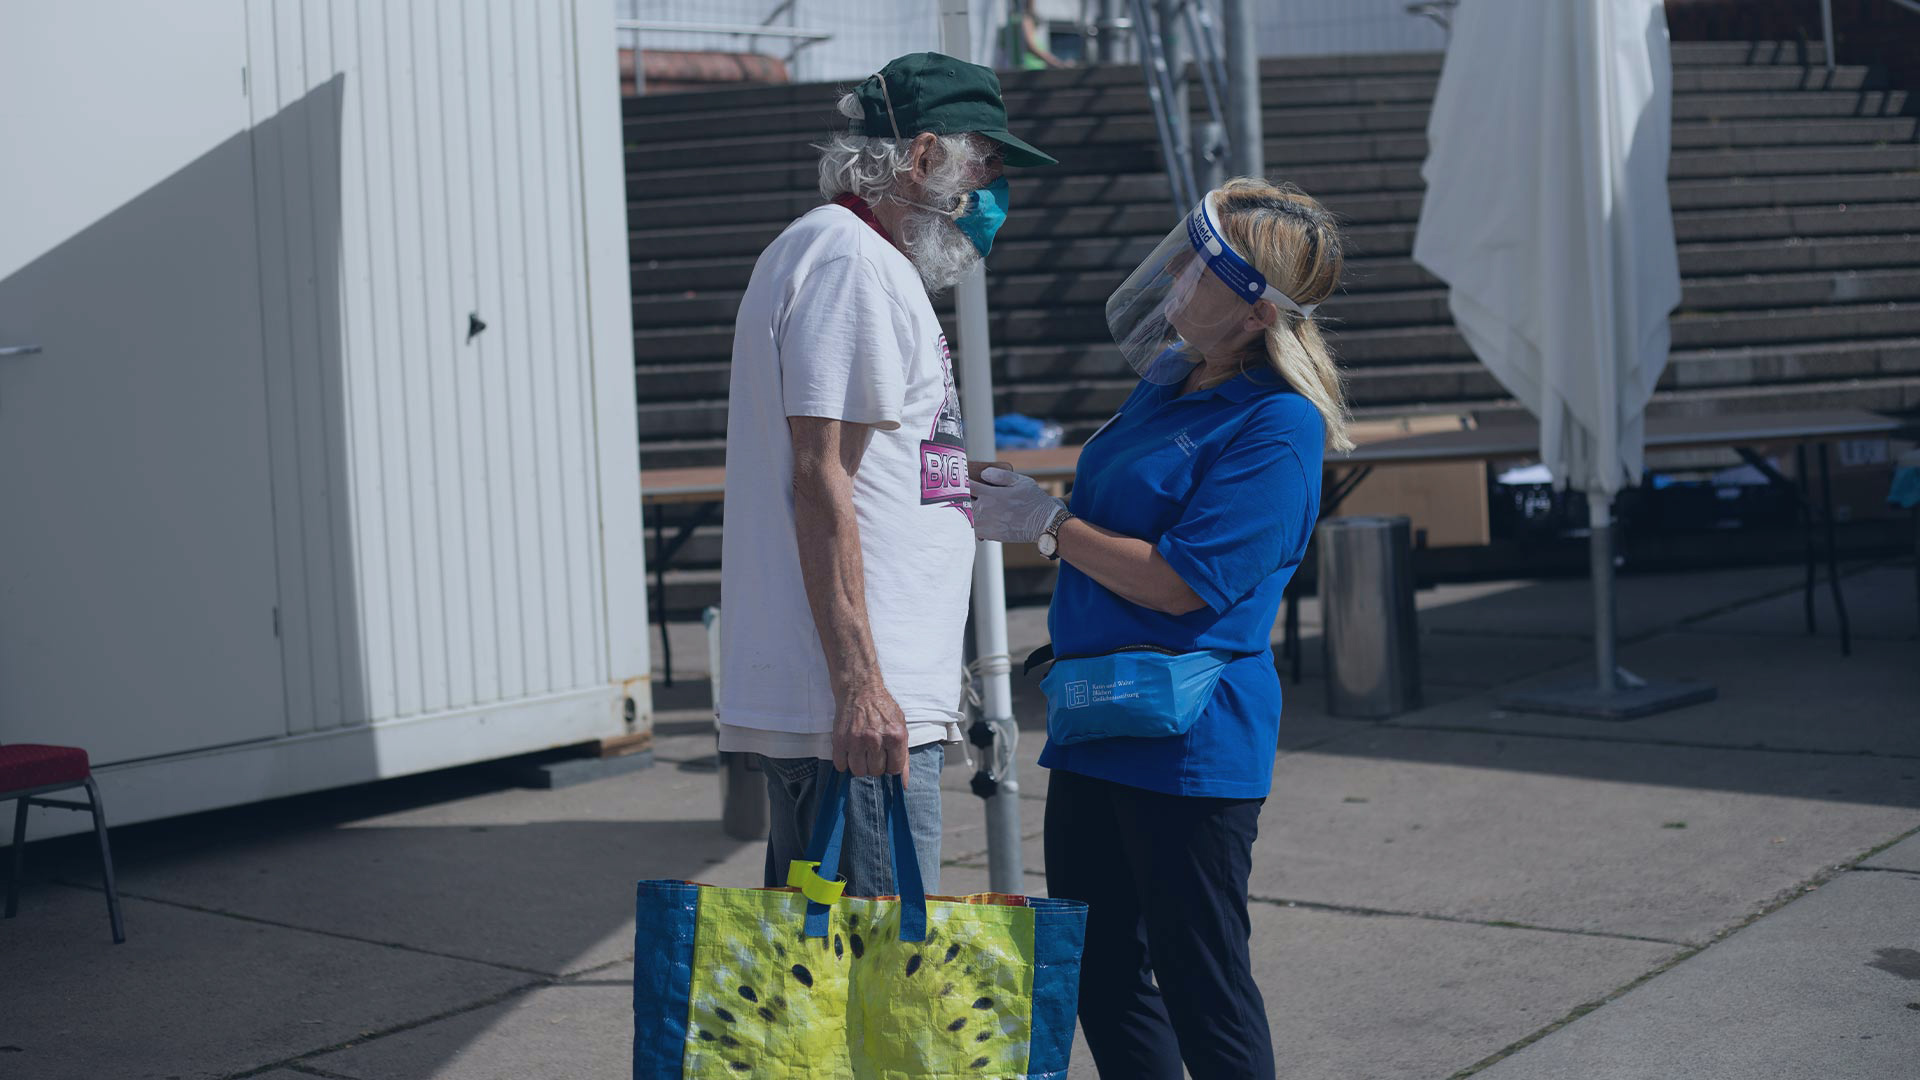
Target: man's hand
870 734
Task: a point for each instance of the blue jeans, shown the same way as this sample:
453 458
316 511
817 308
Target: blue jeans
793 794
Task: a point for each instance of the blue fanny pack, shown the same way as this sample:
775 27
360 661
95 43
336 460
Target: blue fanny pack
1139 692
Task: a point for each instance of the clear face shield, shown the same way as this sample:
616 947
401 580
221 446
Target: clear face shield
1193 293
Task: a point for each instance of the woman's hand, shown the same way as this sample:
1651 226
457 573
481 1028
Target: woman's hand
976 468
1011 508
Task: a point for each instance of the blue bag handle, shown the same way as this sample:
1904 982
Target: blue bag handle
829 829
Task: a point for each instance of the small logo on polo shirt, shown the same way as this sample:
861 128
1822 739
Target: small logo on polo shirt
1184 441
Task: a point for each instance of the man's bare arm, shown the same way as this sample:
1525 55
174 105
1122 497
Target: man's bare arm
869 730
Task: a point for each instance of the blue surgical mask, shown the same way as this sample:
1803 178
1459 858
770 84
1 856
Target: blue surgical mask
986 211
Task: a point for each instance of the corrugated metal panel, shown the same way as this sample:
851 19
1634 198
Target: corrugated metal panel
439 492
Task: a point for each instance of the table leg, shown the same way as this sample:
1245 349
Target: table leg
1833 555
660 593
1806 523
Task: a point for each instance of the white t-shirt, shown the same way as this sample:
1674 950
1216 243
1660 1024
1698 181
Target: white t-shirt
836 323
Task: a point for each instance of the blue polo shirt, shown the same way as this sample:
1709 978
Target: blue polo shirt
1225 483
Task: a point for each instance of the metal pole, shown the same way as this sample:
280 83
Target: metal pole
1153 61
1600 546
1005 874
1109 36
1244 127
1826 30
1179 53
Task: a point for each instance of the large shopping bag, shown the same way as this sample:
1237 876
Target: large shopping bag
803 983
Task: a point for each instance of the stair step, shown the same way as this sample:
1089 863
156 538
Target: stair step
1391 193
1080 116
1778 365
681 453
1034 236
1832 322
1689 58
1365 272
1073 303
1798 253
1792 104
801 177
1801 290
1113 139
1757 191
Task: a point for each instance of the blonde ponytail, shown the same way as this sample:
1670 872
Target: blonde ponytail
1295 243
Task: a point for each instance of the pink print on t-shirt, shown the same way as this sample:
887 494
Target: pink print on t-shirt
943 454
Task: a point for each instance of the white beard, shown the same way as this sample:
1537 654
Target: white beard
938 250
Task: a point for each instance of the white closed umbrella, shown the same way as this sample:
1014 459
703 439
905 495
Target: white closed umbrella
1546 214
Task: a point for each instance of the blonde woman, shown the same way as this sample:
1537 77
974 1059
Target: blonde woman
1190 511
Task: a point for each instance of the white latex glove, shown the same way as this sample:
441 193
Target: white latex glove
1011 508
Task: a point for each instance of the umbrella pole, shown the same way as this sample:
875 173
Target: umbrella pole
1600 549
1608 693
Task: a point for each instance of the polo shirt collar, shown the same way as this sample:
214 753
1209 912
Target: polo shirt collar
1260 380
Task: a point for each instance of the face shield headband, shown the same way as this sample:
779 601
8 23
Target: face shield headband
1193 292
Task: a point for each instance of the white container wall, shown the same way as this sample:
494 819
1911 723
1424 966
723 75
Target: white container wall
330 448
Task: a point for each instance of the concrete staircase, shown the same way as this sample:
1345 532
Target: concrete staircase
1796 196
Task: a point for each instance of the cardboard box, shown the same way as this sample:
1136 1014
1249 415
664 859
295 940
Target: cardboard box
1447 502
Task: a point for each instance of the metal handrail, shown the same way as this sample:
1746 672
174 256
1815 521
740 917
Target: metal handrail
1165 76
1440 11
811 37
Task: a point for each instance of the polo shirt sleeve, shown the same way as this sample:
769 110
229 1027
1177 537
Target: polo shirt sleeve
844 346
1253 510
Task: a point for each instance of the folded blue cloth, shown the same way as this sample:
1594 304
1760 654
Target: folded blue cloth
1906 488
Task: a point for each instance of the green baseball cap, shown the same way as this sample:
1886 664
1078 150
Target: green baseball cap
931 91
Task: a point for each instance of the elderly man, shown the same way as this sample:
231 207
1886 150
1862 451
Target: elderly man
849 543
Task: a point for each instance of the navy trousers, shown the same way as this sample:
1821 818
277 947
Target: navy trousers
1167 976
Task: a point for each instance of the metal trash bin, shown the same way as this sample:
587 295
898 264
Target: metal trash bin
1367 620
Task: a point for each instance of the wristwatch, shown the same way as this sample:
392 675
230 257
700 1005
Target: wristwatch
1049 539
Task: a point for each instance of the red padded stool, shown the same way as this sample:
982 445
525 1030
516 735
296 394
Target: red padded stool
28 772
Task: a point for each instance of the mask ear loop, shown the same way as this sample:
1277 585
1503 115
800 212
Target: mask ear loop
958 211
888 99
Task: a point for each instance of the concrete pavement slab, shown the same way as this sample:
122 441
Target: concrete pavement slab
1823 987
1384 998
1452 661
1904 855
580 1028
1457 989
1673 843
1774 692
193 995
1880 604
539 880
1666 842
1647 603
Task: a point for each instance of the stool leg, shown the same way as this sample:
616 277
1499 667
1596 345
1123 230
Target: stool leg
106 862
18 856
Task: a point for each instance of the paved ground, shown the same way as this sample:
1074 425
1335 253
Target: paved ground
1720 892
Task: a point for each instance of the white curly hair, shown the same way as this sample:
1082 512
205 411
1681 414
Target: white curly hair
876 169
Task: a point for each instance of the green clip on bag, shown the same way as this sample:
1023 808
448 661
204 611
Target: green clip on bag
799 983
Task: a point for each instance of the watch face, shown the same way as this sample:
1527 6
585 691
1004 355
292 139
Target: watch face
1048 544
